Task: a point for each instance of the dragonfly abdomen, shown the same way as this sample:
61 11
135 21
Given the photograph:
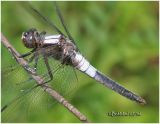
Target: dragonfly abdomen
118 88
84 66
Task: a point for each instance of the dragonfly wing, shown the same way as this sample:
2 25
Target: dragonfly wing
62 22
64 81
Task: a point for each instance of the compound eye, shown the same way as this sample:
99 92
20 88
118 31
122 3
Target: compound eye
25 34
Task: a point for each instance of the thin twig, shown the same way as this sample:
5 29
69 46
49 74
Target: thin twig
39 80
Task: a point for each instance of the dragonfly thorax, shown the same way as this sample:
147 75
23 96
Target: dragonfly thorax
68 50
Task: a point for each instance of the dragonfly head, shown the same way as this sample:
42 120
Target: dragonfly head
30 37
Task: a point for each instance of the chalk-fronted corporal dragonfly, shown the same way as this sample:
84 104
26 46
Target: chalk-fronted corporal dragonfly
63 48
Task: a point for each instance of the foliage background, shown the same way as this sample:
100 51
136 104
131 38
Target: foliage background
118 38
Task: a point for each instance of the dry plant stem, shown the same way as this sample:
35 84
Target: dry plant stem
39 80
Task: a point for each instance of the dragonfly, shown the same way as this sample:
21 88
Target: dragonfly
63 48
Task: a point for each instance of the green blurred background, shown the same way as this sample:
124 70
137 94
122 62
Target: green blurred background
118 38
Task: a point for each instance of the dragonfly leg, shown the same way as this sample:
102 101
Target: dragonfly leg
47 65
31 59
36 57
48 68
27 54
26 67
36 62
23 55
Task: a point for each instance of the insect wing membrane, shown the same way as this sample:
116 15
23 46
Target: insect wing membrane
19 83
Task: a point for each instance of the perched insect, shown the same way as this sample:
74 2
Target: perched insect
64 49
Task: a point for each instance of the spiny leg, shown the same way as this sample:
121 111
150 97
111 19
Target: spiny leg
35 57
23 55
47 65
26 66
48 68
31 59
36 62
27 54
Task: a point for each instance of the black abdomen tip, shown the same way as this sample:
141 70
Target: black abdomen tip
142 101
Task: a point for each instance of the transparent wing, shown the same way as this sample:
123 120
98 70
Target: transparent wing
17 82
34 11
63 23
47 21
